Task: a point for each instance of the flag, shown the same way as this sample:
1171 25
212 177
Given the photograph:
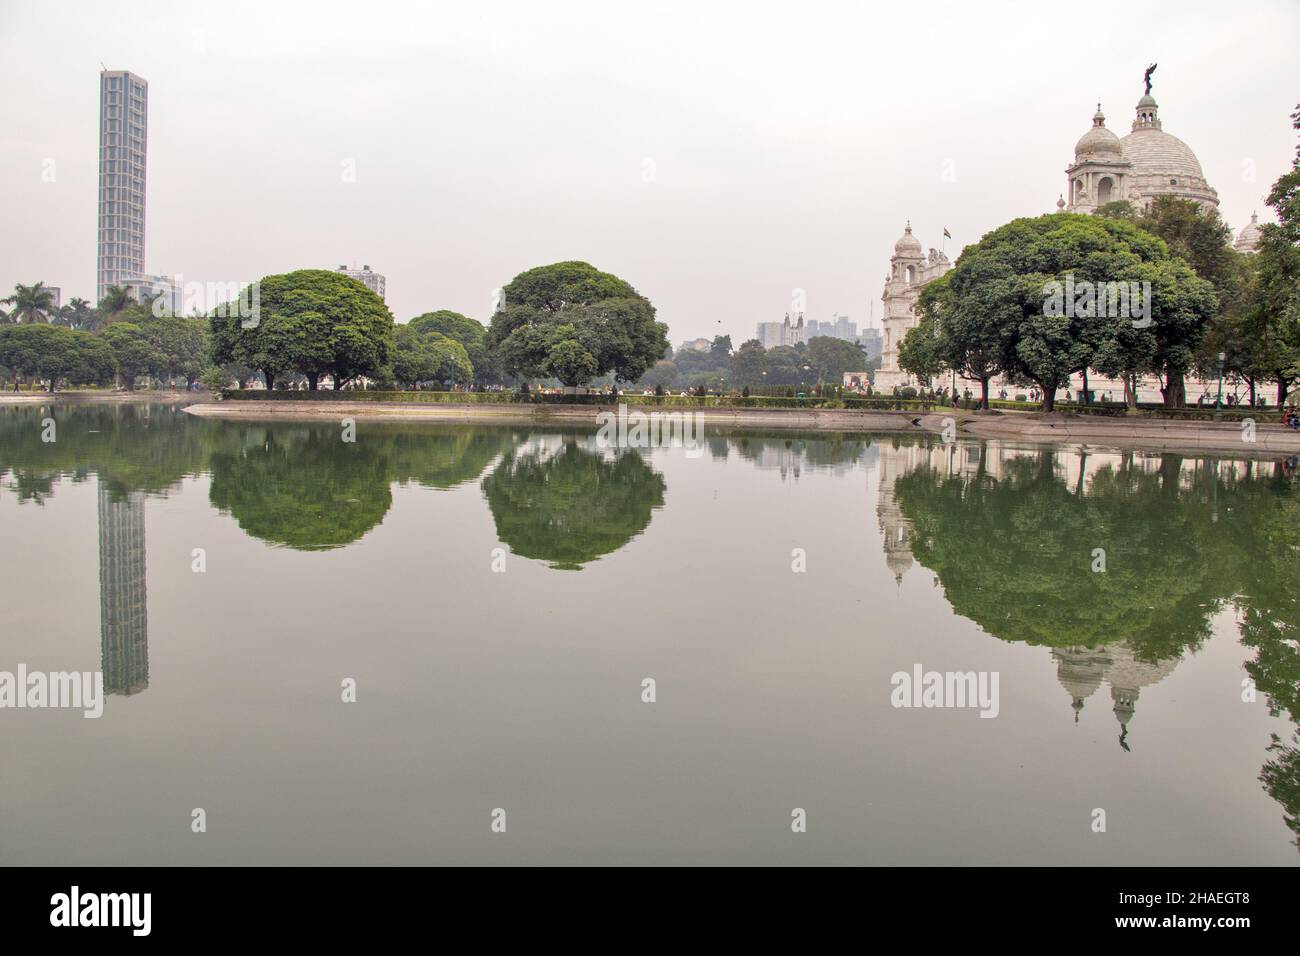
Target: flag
946 233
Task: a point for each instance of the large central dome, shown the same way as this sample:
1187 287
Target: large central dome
1155 152
1146 163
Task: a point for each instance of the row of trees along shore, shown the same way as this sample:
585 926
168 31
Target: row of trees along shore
569 322
993 314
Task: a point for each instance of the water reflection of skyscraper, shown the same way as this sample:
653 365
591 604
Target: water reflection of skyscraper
123 610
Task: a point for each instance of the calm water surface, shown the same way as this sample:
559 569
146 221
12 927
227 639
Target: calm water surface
521 689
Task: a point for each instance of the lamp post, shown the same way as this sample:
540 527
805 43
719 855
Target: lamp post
1218 402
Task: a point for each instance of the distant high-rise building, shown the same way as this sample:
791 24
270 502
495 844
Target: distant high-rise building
371 280
696 345
872 342
123 145
772 334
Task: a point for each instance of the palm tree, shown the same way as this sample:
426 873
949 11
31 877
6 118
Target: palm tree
32 303
117 299
77 314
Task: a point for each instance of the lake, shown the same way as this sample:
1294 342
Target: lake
503 603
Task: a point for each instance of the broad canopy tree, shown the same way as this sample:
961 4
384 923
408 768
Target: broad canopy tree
312 322
574 322
1036 300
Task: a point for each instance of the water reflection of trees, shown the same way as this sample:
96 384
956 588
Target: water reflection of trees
569 505
1011 539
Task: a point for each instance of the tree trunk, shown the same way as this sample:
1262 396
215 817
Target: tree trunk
1175 389
1130 392
984 388
1085 387
270 379
313 380
1049 397
1283 381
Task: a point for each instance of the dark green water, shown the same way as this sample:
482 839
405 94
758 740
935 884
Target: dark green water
499 595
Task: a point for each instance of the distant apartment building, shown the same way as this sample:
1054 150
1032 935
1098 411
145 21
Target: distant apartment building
56 295
164 290
696 345
873 342
773 334
123 146
371 280
792 332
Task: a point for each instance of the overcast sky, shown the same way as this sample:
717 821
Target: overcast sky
717 156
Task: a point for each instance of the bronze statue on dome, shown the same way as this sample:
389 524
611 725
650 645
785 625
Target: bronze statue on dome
1146 77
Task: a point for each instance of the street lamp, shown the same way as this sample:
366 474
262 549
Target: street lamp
1218 402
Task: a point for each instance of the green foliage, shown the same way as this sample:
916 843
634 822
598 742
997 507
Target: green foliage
312 322
471 334
31 303
601 314
573 507
996 312
134 351
427 356
55 353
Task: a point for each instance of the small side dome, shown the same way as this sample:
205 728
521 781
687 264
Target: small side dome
1248 238
1098 142
908 245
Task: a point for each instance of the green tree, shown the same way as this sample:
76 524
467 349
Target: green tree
55 353
428 357
31 303
313 322
1275 319
117 299
1013 285
599 312
134 351
748 364
830 358
470 333
922 351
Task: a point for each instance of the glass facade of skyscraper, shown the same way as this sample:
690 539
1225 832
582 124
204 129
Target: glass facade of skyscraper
123 144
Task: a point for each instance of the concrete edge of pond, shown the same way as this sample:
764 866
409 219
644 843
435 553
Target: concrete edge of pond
1269 440
828 420
1264 440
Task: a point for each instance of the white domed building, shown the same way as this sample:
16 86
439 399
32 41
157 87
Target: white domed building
1146 163
909 271
1248 239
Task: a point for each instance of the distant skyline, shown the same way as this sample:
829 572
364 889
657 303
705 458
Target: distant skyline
717 156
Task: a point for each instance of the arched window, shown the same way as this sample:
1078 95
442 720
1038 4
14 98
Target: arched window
910 275
1104 190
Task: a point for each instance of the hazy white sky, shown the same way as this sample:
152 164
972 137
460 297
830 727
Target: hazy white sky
716 155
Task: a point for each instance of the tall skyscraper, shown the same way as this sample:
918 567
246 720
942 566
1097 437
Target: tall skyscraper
123 143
